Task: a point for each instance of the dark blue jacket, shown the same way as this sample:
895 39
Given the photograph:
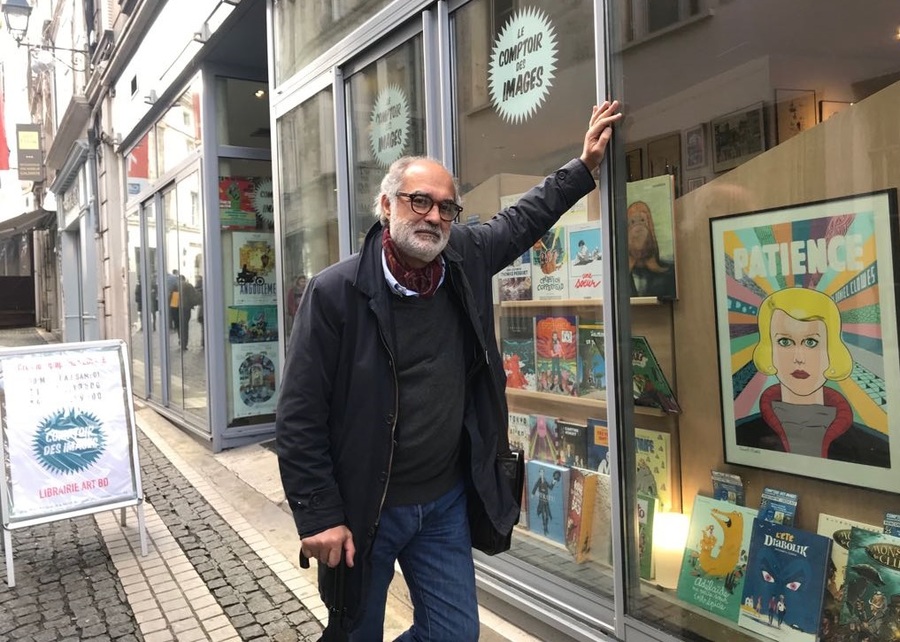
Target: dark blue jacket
338 404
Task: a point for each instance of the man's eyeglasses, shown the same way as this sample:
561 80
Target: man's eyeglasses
422 204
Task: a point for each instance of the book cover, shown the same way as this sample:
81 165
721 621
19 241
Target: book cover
548 490
778 506
651 236
543 440
550 270
785 582
517 349
838 529
591 363
585 264
601 522
519 430
598 445
514 281
651 388
715 556
556 349
728 487
582 501
646 509
572 443
653 462
872 584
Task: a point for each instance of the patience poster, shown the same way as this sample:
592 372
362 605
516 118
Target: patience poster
807 336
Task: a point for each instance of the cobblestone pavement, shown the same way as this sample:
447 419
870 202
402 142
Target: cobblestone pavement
208 574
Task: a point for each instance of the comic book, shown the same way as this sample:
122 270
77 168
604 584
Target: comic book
543 439
651 236
653 460
872 584
582 502
715 556
572 443
517 351
785 582
514 281
591 360
601 522
646 510
728 486
585 260
548 495
550 269
651 388
892 524
598 445
556 350
519 430
838 529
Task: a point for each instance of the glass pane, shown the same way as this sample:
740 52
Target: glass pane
304 30
140 304
767 175
250 296
242 113
141 166
178 131
522 113
157 301
386 103
310 228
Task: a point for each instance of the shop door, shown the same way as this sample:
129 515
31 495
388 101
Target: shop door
146 323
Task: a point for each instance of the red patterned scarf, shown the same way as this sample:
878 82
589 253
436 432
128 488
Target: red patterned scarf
423 280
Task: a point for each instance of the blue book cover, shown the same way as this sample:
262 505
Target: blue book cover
785 582
548 499
778 506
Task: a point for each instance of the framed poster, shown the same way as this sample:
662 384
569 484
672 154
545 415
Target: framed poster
806 322
254 268
634 164
795 112
828 108
695 147
737 137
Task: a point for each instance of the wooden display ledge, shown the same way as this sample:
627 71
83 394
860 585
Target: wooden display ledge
575 303
583 402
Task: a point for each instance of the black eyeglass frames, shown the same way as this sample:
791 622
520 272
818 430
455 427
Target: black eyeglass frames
422 204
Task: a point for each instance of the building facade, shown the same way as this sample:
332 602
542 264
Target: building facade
703 349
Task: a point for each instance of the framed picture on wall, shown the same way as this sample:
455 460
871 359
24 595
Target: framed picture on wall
695 147
806 325
634 164
828 108
795 112
737 137
694 183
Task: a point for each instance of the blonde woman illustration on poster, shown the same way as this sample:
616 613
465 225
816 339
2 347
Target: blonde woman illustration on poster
801 345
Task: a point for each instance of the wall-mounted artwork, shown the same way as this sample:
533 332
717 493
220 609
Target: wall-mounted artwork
695 147
795 112
737 137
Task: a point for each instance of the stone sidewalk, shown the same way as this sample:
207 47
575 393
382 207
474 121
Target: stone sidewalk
221 556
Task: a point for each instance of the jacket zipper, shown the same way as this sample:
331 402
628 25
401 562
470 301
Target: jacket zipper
393 425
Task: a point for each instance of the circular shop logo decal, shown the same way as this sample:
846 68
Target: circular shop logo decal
261 197
69 442
522 64
389 125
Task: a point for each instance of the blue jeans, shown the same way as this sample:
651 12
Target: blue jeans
432 543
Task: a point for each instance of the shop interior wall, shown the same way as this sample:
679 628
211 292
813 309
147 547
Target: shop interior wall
856 151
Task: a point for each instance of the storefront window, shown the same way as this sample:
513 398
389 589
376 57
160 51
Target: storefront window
242 113
386 103
524 95
309 222
177 133
304 30
246 215
759 216
140 165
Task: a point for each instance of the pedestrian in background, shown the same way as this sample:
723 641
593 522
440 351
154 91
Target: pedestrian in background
392 407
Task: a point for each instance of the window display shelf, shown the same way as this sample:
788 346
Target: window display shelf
576 303
583 402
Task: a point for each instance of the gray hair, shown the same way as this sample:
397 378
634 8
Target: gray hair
393 181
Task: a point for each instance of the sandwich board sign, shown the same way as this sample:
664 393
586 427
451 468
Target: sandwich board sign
67 436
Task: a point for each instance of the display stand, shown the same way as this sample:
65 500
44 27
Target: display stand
69 441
